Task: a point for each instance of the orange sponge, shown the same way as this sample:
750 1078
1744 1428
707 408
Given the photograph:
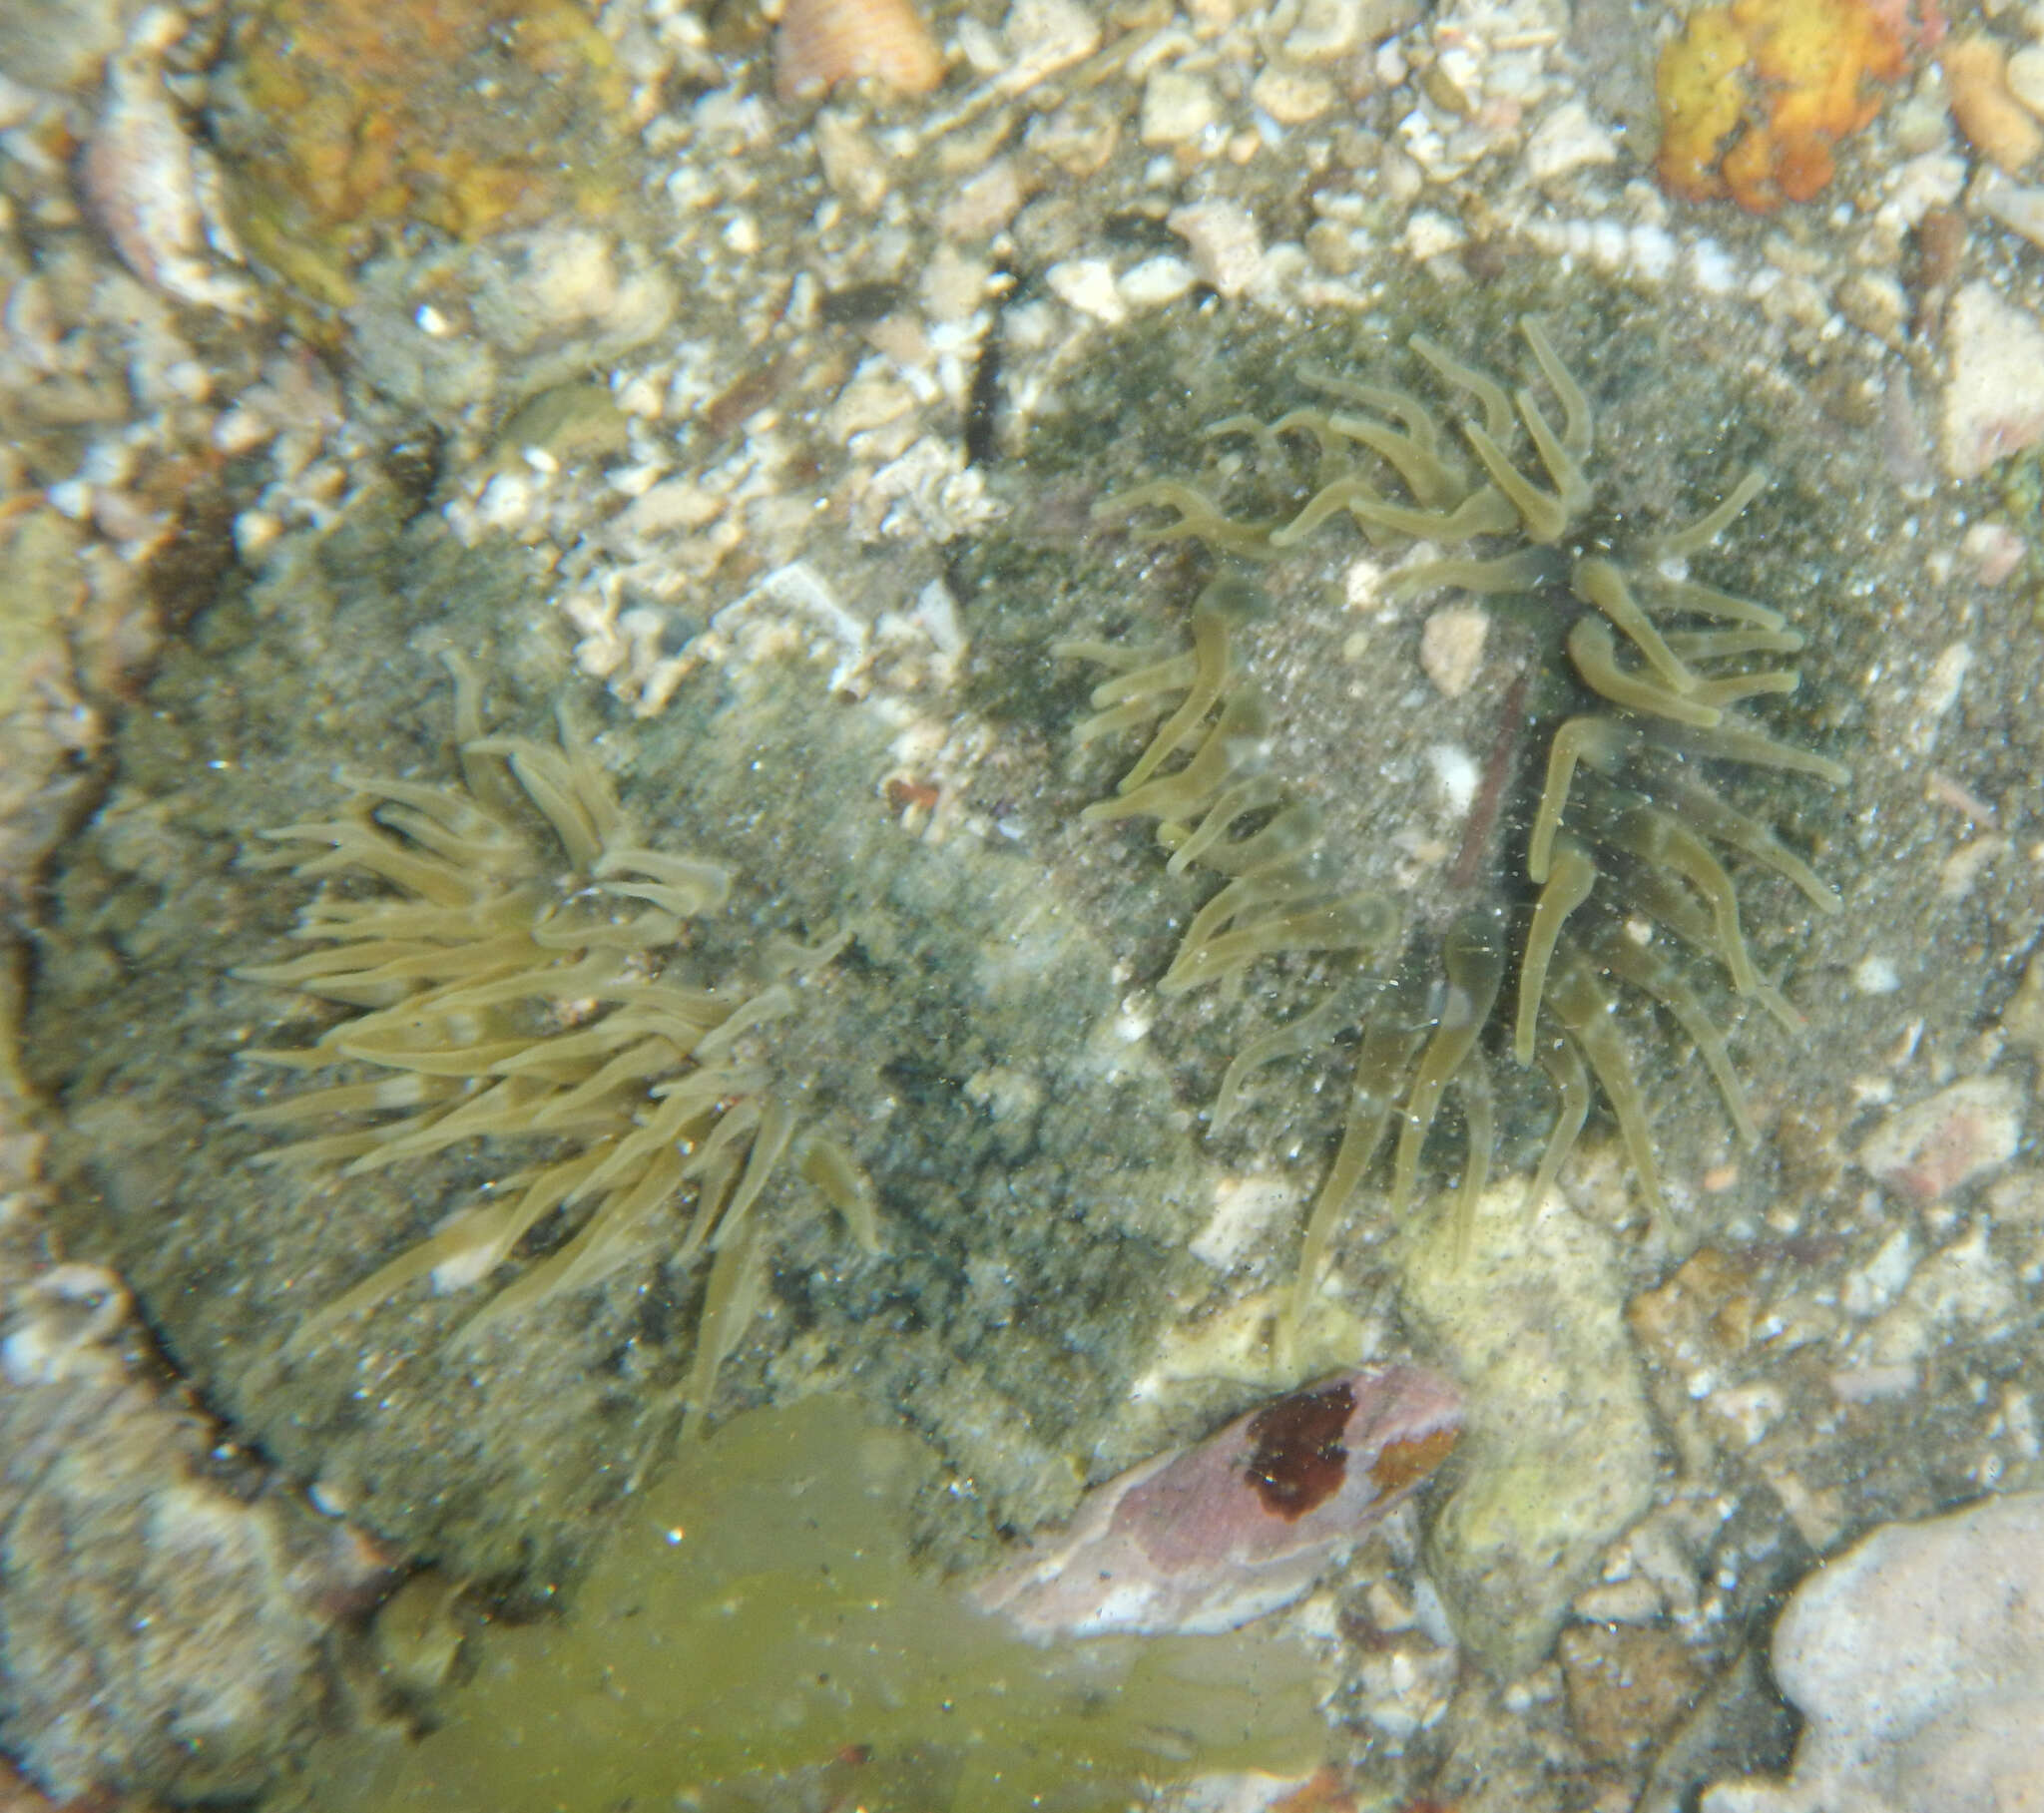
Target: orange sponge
1754 96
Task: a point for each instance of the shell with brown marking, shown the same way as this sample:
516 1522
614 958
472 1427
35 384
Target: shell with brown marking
821 42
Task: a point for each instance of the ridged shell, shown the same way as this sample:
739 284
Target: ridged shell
824 42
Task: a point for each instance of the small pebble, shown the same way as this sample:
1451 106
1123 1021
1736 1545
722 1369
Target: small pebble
1452 648
2017 206
1156 282
1088 284
1226 249
1177 108
1995 123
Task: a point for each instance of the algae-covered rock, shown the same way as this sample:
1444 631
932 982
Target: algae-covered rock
345 124
1558 1448
756 1614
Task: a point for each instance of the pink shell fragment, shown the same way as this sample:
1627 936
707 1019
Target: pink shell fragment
1207 1537
1928 1150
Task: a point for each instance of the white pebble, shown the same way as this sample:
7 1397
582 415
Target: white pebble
506 501
1088 284
1995 398
1875 976
1879 1281
1177 108
1568 139
1712 269
1429 233
1156 282
1653 252
1227 248
2025 77
1456 775
255 530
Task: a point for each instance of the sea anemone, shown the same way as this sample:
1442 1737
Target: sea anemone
1617 882
510 955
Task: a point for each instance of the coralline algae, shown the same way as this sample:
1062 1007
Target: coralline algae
1918 1660
1204 1538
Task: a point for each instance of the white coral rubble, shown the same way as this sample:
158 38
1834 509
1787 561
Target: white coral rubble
1918 1660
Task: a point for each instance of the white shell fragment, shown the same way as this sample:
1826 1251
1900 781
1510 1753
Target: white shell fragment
152 190
1207 1537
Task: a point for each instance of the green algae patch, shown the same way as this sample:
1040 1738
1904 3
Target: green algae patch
758 1614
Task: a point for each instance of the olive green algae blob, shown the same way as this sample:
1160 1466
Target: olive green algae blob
756 1614
1029 1255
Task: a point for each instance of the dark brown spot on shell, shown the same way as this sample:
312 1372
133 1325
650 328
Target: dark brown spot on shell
1401 1462
1297 1461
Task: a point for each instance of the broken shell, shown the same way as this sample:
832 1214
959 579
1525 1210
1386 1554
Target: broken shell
1995 123
1207 1537
149 187
821 42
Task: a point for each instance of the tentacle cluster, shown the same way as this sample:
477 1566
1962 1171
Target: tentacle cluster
1626 833
512 988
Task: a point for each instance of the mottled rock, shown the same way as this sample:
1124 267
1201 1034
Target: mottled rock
1627 1684
163 1621
1559 1451
57 44
1918 1660
506 318
1994 397
45 723
346 126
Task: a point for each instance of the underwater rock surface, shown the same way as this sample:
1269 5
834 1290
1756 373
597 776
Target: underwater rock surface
167 1609
1918 1660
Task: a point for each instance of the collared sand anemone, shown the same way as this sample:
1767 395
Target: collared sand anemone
516 951
1607 773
